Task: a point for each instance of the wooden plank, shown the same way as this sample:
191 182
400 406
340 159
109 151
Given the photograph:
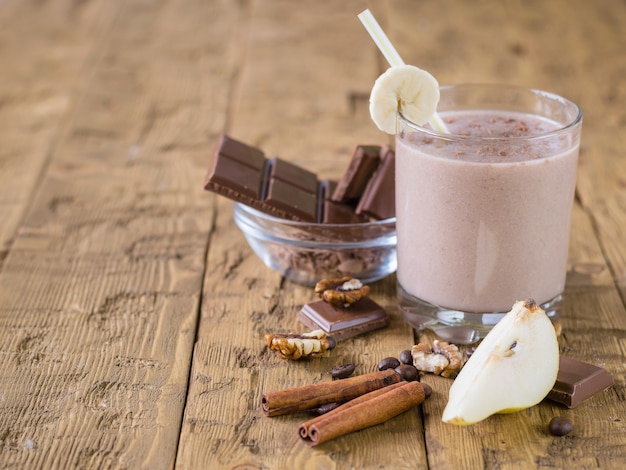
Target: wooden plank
43 47
593 325
302 96
294 100
100 293
525 44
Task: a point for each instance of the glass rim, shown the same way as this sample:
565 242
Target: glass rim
563 129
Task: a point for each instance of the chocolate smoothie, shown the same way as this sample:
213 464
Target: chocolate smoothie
485 222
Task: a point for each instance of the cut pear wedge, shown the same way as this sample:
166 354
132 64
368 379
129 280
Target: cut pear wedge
513 368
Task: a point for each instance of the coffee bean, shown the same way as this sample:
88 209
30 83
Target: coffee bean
560 426
388 363
407 372
406 357
326 408
428 391
342 371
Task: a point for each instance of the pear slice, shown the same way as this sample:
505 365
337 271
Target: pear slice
513 368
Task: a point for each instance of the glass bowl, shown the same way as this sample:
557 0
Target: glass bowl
306 252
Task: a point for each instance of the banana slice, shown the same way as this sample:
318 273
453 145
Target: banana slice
404 88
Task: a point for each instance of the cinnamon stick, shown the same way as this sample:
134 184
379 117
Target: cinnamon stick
312 396
304 427
368 412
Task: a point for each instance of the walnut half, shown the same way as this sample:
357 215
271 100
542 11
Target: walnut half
293 346
341 292
442 359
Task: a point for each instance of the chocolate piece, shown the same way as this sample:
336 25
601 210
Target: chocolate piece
363 164
293 175
241 152
337 212
282 189
341 323
237 171
379 198
293 201
277 187
577 381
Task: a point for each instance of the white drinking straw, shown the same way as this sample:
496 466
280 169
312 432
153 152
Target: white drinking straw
392 56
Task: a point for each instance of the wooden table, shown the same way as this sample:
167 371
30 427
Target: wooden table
132 311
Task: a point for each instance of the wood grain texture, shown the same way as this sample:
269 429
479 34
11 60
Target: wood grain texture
42 49
132 310
99 295
292 104
546 45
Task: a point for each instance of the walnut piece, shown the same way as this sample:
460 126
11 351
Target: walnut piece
293 346
442 359
341 292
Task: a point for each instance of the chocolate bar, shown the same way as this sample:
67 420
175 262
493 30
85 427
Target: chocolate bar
282 189
364 162
577 381
274 186
378 198
341 323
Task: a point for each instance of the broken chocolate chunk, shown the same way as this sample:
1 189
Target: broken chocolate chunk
378 199
363 164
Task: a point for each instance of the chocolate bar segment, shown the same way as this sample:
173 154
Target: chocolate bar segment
237 172
292 200
364 162
293 175
341 323
333 212
277 187
577 381
241 152
292 189
379 197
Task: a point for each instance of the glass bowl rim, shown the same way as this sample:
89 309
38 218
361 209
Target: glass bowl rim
301 224
244 218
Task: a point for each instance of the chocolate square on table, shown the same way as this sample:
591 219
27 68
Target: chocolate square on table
344 322
577 381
